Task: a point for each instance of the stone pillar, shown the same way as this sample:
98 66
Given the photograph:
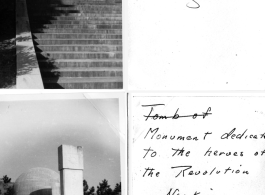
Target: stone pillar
71 167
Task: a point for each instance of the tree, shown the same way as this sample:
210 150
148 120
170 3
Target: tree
6 179
9 191
91 191
85 186
117 189
104 188
87 190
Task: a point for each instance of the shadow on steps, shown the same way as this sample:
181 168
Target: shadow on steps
78 42
41 12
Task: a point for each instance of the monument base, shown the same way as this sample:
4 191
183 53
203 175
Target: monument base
71 182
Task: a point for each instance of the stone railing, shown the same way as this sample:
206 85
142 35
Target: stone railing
28 72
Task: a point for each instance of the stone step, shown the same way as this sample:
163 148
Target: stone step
97 3
42 14
83 83
91 7
51 12
41 3
87 26
75 22
44 19
56 4
79 22
82 72
78 55
80 63
74 48
95 18
78 42
76 36
69 30
67 12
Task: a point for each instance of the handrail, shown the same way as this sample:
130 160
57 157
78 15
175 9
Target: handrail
28 72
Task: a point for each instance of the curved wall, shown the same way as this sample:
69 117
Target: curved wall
38 181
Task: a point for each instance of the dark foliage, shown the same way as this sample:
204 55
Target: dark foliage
40 13
117 189
87 190
9 191
7 43
102 189
7 19
6 179
85 186
91 191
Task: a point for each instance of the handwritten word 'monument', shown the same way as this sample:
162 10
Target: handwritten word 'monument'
155 135
175 116
184 171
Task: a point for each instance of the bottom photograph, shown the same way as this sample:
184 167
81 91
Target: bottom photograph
62 144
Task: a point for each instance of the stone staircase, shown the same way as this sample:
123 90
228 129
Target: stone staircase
78 42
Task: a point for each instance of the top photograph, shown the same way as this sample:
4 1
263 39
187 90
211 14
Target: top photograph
61 44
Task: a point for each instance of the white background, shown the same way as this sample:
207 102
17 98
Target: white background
227 113
219 46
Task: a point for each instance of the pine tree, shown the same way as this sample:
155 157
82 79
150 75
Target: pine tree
104 188
87 190
85 186
117 189
6 179
91 191
9 191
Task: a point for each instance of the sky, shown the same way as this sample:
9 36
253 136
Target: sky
32 131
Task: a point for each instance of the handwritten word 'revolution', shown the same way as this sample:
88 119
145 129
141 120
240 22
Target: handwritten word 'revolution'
175 116
184 171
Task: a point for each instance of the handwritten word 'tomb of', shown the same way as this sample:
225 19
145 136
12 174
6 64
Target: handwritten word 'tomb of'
175 116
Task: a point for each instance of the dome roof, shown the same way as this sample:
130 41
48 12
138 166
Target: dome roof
37 181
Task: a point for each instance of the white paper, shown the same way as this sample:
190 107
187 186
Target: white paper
218 46
212 121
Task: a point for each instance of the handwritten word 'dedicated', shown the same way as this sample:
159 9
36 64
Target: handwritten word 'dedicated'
175 116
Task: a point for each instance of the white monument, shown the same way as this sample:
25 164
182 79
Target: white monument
71 169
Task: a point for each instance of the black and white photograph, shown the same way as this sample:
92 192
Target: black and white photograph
64 145
160 98
61 44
